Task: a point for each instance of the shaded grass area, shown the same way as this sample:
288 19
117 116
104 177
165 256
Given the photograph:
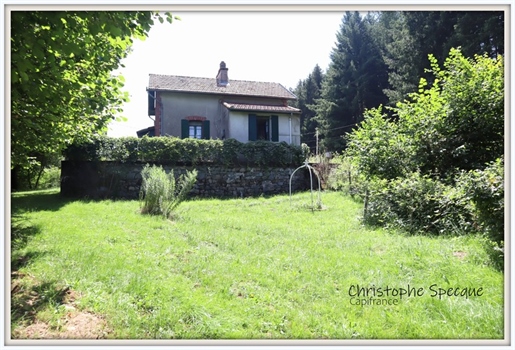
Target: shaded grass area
253 268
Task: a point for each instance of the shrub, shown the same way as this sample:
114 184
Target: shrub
346 178
159 194
172 150
419 204
51 178
429 168
486 190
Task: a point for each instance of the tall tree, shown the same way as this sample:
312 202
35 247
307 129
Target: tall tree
62 86
307 91
354 80
409 37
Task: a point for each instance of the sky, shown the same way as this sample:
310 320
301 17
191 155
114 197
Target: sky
280 47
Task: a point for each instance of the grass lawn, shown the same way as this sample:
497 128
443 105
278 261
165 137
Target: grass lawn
254 268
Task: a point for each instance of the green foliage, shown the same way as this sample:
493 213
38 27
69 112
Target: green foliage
345 177
354 80
172 150
379 148
486 190
51 178
418 204
159 194
62 84
307 92
36 172
407 38
436 167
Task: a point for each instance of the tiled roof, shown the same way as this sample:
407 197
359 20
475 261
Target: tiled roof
208 85
260 108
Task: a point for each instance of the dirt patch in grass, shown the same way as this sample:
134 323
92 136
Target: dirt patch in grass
30 300
76 325
460 255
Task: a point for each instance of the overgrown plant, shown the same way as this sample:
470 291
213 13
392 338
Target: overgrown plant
436 166
160 194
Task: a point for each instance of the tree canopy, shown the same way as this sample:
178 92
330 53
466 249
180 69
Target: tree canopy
62 82
379 58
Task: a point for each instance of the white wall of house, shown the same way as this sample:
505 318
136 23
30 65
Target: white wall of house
239 126
284 129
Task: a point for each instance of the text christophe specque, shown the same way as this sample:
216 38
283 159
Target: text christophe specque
364 296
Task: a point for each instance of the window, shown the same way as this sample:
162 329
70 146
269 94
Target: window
263 128
195 130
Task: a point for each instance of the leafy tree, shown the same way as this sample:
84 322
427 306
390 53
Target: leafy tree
451 127
354 80
62 86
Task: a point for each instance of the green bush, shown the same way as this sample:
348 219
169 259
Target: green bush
159 194
346 178
172 150
486 190
429 167
419 204
51 178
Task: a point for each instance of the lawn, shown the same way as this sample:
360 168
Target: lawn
252 268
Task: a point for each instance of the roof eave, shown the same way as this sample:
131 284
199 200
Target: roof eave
220 93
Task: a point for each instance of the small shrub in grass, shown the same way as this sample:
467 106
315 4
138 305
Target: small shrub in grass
160 194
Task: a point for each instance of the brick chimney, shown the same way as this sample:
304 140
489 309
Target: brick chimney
222 78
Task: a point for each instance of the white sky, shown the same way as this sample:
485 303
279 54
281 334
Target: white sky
281 47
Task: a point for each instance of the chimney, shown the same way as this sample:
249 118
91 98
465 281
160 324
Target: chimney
222 78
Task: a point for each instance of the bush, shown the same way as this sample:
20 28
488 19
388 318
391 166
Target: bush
346 178
419 204
51 178
429 168
486 190
172 150
159 194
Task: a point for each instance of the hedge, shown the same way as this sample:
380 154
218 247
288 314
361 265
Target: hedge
173 150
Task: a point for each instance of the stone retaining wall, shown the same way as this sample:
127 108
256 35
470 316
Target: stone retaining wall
123 180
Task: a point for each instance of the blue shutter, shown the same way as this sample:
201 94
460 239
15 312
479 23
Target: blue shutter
275 128
206 132
252 127
185 129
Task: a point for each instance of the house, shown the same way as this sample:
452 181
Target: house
219 108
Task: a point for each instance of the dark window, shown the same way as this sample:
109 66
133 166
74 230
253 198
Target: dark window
263 128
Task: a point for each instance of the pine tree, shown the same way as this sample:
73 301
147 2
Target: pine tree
307 91
408 38
354 81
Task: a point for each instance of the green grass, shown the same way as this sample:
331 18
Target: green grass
253 268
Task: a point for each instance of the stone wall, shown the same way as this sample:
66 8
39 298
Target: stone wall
123 180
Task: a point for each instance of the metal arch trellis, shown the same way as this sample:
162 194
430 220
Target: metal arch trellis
311 171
